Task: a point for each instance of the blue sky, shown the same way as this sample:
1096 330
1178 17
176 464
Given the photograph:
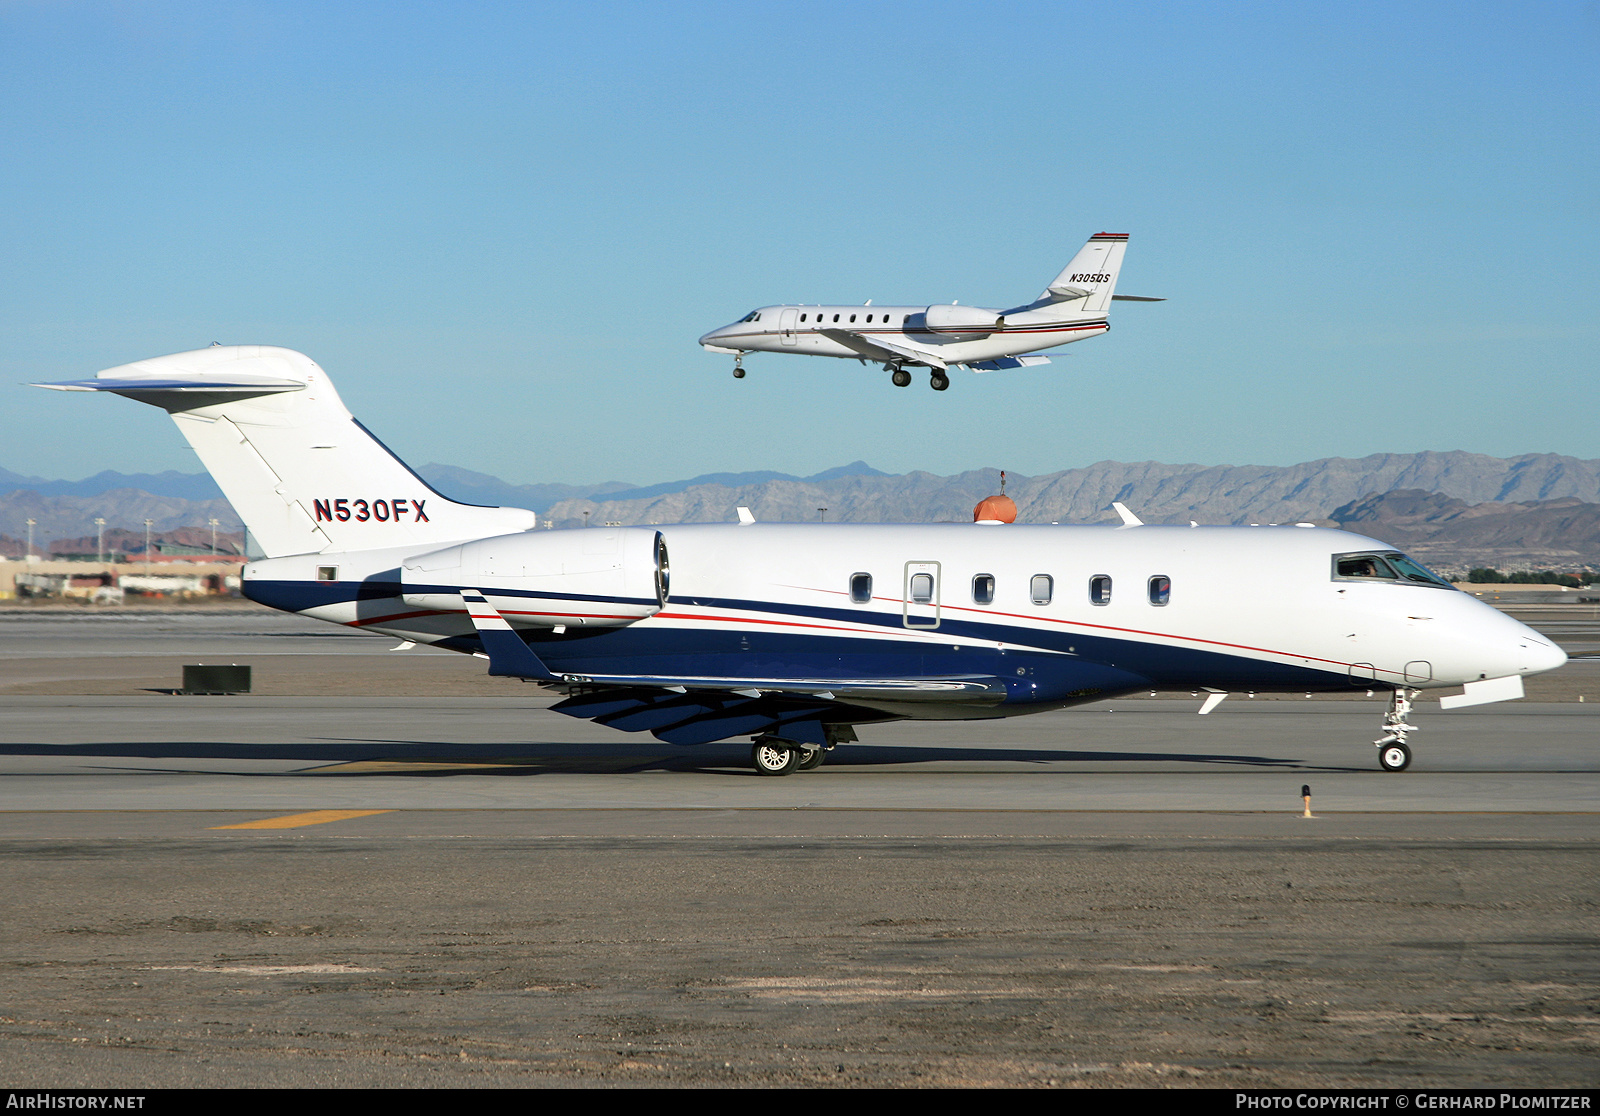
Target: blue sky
501 227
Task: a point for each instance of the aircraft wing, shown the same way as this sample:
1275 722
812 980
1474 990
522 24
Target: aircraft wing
877 349
704 710
699 709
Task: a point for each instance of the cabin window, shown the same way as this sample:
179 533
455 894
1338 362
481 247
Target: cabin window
922 588
836 317
327 573
905 319
983 589
861 588
1160 590
1100 589
1043 588
852 317
869 319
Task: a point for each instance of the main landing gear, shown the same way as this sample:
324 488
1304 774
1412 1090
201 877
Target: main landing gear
772 756
901 378
1394 754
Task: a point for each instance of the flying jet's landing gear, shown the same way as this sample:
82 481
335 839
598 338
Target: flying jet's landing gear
1394 754
773 756
938 381
738 368
900 377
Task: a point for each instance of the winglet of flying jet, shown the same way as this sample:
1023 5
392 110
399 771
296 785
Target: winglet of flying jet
941 337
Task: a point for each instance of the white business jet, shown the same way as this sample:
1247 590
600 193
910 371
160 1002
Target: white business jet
795 634
941 337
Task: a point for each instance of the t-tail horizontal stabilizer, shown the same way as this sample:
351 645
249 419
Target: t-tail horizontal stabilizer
509 657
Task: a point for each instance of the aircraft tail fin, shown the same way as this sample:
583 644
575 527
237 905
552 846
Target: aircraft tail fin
1092 275
301 471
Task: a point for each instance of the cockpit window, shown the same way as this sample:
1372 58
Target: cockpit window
1412 570
1389 566
754 315
1361 565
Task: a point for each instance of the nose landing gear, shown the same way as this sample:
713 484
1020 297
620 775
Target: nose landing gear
738 367
1394 754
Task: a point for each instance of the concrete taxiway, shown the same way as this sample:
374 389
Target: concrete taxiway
385 868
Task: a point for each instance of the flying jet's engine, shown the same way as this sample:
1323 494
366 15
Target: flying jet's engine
591 578
963 319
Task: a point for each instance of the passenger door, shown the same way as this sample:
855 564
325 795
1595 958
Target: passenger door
921 595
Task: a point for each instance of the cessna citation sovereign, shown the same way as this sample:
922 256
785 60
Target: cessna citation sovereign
940 337
796 634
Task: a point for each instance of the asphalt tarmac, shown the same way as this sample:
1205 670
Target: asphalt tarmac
384 868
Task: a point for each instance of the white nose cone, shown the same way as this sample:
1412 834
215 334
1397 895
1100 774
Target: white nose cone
1540 656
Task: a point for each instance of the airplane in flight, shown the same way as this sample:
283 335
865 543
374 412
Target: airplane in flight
796 634
941 337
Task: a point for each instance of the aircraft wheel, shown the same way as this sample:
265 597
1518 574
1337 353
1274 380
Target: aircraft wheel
738 373
939 383
774 757
901 378
810 759
1394 757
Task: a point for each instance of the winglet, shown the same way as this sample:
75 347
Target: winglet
1128 518
509 657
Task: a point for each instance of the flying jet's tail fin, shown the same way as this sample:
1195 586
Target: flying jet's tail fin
302 473
1091 277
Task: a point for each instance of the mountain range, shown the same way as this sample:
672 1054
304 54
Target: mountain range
1533 505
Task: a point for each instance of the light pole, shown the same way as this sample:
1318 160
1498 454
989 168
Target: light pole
29 556
147 525
824 513
100 540
213 523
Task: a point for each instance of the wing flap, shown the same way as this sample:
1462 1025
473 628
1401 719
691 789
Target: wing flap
1028 360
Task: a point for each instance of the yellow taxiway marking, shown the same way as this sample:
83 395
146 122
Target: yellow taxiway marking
295 821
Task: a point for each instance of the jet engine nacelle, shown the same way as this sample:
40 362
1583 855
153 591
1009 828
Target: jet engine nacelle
963 319
604 578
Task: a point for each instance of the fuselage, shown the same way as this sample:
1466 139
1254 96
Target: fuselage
1059 614
803 330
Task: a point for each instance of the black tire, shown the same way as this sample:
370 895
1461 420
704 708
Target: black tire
1394 757
901 378
774 757
738 373
939 383
810 759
